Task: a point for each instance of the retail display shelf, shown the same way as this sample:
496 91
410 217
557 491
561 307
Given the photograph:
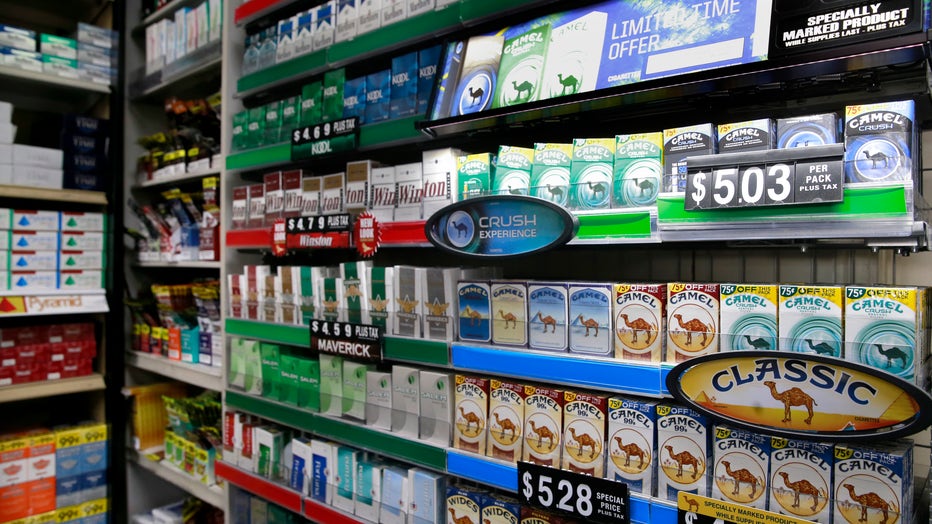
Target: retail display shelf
615 226
384 443
180 178
289 335
72 196
51 388
563 369
16 303
303 66
21 76
260 158
416 351
194 374
258 238
261 486
44 92
213 495
191 264
317 512
190 70
163 12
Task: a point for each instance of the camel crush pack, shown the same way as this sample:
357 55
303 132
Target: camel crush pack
550 174
591 173
692 320
639 321
521 67
584 422
512 174
801 479
683 451
810 319
471 410
883 329
590 320
638 169
873 482
506 420
741 469
543 425
632 443
879 141
748 317
680 143
547 311
509 313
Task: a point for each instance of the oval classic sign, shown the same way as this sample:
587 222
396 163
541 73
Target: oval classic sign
500 226
801 396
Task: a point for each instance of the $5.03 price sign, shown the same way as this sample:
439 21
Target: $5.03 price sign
580 496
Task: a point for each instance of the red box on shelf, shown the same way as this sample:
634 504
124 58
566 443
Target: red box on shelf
32 354
54 370
72 368
6 376
25 373
7 356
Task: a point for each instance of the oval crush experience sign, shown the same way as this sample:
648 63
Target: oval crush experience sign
500 226
801 396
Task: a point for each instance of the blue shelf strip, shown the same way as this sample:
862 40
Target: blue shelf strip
485 471
612 375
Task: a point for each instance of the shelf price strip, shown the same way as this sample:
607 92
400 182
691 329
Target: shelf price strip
324 138
357 341
775 177
579 496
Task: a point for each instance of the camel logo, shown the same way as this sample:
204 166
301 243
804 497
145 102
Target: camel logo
802 394
692 329
580 443
740 478
800 491
630 451
461 229
860 495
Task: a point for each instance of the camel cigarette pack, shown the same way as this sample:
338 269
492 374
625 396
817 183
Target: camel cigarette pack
470 413
428 59
409 192
692 320
753 135
474 310
403 99
883 329
406 405
506 420
875 480
381 297
368 486
331 384
521 67
632 443
355 389
378 407
638 311
357 185
310 196
742 467
409 293
396 496
436 408
345 26
512 174
810 319
680 143
584 425
574 54
592 173
332 193
473 174
638 169
499 509
807 130
748 316
548 310
368 19
509 311
393 11
474 75
550 174
382 192
464 503
683 451
439 285
427 497
439 176
323 471
531 515
879 142
801 479
346 459
590 319
543 425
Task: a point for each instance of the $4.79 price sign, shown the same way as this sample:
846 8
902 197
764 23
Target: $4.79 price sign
579 496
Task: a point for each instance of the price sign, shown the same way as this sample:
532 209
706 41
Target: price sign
579 496
318 224
356 341
766 178
324 138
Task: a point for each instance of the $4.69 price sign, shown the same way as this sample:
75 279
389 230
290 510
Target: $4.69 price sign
324 138
579 496
357 341
765 178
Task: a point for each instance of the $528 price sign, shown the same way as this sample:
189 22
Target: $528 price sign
581 496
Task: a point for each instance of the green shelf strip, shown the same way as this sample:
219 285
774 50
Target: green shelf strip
634 225
399 130
263 156
278 333
431 352
304 65
412 451
396 35
860 203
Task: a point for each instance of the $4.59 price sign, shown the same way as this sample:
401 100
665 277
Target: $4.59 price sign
579 496
357 341
765 178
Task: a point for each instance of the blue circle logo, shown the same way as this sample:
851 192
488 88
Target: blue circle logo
460 229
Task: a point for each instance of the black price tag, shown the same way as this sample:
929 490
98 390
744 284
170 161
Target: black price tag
319 224
356 341
580 496
765 178
324 138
